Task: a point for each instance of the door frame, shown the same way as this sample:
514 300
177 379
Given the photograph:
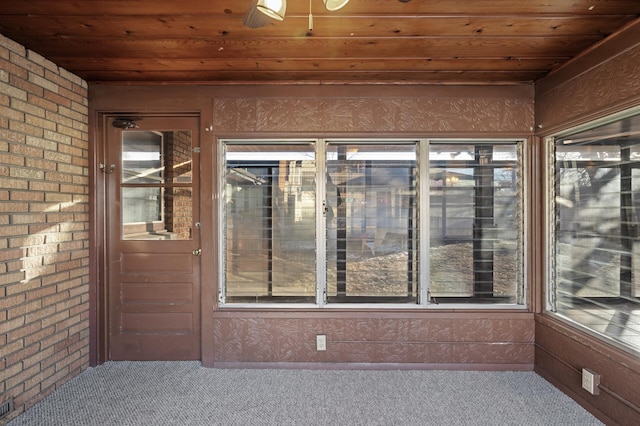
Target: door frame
98 284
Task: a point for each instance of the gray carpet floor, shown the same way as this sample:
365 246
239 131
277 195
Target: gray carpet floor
185 393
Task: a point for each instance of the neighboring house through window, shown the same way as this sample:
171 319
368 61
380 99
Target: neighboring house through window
422 223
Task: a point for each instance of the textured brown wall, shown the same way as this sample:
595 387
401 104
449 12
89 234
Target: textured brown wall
430 340
243 337
400 113
574 96
602 81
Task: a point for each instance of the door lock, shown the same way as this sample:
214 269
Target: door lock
197 252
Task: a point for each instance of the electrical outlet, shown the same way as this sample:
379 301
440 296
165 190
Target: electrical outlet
321 342
590 381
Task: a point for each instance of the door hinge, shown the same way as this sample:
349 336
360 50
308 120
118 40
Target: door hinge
107 170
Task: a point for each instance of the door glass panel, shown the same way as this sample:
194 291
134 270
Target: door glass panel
156 192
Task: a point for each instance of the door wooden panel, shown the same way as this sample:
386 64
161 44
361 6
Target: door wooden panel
157 292
153 239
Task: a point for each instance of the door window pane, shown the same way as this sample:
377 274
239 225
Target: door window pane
156 193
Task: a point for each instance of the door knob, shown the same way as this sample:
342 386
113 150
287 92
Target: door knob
197 252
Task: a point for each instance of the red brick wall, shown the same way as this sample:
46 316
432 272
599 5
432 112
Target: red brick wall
179 207
44 226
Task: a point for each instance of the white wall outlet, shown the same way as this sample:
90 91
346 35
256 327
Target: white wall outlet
590 381
321 342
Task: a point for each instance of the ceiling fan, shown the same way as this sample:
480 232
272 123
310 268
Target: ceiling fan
261 12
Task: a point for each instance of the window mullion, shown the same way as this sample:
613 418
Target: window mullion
551 221
423 222
222 224
521 201
321 223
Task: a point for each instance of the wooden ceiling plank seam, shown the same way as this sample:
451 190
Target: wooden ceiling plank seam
323 38
327 15
135 7
304 64
303 48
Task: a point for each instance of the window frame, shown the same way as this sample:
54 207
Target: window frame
424 300
550 217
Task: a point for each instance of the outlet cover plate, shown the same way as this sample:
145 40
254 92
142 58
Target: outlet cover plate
321 342
590 381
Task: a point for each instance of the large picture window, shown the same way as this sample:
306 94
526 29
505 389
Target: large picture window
402 223
595 273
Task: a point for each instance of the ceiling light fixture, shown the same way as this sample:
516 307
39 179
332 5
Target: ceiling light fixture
274 9
253 18
333 5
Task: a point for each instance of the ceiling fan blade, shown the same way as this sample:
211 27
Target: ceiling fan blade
254 18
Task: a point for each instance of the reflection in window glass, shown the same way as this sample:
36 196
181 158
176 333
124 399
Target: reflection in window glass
372 198
141 157
595 236
156 185
270 223
371 223
475 222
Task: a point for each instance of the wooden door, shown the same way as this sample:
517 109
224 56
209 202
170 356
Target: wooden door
153 238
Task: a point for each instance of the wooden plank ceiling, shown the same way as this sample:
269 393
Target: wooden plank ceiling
368 41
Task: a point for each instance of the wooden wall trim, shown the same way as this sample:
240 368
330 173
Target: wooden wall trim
375 366
368 313
550 374
562 350
617 43
603 82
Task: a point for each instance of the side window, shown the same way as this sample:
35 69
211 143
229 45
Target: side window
595 205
